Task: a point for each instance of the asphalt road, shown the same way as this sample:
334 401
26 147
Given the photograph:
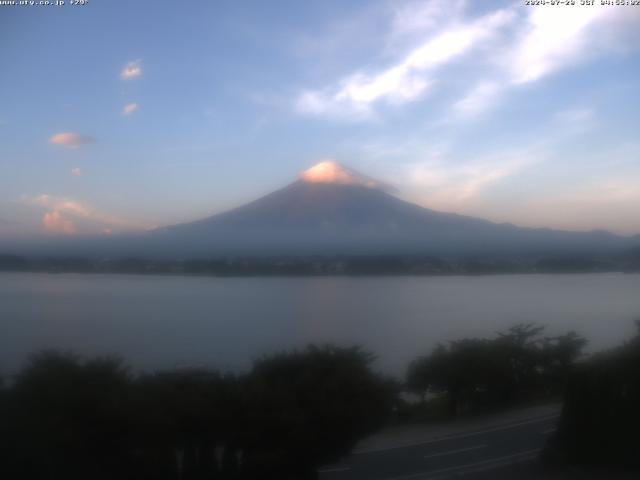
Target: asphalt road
462 454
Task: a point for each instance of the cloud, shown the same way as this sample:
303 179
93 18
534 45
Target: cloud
70 139
408 79
511 46
129 108
417 17
446 183
479 99
549 41
55 222
69 216
76 172
552 40
131 70
58 203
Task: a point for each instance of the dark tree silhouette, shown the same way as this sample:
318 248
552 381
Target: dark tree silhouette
68 418
516 365
600 417
310 407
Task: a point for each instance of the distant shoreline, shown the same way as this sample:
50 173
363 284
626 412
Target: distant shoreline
322 266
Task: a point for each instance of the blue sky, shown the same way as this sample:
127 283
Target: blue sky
120 115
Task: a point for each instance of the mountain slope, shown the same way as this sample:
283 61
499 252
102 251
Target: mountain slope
332 209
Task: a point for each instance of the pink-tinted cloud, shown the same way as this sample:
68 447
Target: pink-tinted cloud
55 222
65 215
131 70
76 172
129 108
70 139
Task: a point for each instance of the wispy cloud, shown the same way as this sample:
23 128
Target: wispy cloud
76 172
70 139
477 100
511 47
407 80
548 41
443 183
414 19
129 109
131 70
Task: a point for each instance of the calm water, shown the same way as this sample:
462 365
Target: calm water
226 322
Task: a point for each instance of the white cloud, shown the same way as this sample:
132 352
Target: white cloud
129 109
408 79
553 39
70 139
548 41
131 70
76 172
512 46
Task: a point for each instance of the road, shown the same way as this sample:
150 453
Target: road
478 449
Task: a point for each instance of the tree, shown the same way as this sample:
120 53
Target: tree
516 365
600 418
67 418
70 418
182 418
309 407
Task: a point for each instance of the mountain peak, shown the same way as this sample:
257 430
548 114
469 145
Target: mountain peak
329 171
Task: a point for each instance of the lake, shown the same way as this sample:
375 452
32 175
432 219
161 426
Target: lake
167 321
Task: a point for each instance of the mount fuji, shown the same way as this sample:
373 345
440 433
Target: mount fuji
331 209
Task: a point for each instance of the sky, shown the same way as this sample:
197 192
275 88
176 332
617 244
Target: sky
118 116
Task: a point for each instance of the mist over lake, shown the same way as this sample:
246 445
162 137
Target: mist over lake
166 321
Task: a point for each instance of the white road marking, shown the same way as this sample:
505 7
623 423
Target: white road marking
456 436
452 452
471 467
